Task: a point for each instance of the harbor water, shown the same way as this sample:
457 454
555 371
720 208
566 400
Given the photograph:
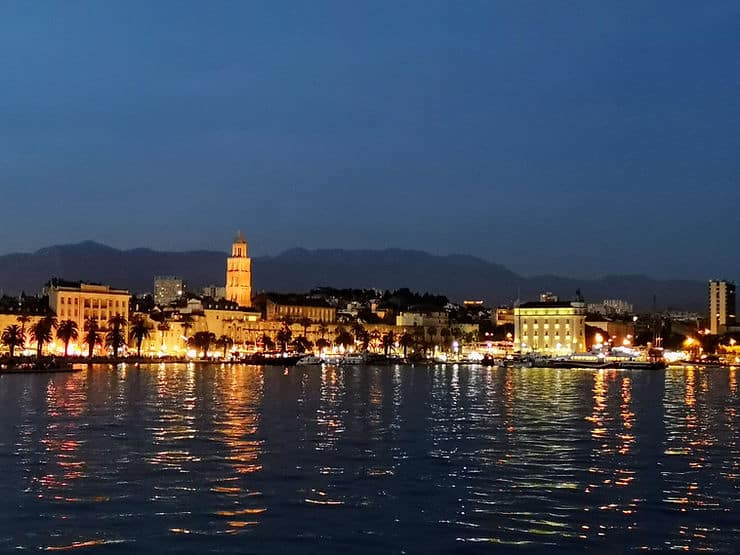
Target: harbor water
205 458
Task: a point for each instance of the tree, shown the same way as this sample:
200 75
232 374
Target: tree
388 341
406 340
359 331
42 332
202 341
445 333
13 337
139 331
323 330
23 319
344 338
225 342
92 328
67 331
419 338
432 332
284 336
305 323
301 344
322 344
267 343
115 337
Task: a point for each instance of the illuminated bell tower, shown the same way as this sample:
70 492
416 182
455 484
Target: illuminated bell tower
239 273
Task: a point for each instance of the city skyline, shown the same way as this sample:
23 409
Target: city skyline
573 139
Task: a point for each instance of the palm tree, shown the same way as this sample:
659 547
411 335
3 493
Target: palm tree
323 330
359 331
225 342
406 340
13 337
284 336
66 332
322 343
115 337
91 337
301 344
432 331
42 332
202 341
139 331
23 319
344 338
305 323
445 333
387 341
267 343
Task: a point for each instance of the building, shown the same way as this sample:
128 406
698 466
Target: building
503 315
721 306
619 332
279 307
80 301
423 318
611 307
556 328
168 289
239 273
215 292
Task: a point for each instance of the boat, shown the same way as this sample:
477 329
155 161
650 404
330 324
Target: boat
310 360
271 359
37 369
581 361
353 359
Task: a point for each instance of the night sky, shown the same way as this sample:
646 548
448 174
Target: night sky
578 138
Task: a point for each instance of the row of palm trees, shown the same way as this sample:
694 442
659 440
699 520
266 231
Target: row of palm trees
43 331
357 335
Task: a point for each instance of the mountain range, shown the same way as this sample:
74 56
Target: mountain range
457 276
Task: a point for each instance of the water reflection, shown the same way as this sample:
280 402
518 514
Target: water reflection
192 457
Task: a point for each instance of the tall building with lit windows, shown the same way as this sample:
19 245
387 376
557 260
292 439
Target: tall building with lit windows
239 273
553 328
168 289
721 306
80 301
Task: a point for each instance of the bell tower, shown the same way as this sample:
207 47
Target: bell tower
239 273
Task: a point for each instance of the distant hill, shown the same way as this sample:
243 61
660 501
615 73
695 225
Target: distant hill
457 276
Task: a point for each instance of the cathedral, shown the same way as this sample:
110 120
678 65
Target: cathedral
239 273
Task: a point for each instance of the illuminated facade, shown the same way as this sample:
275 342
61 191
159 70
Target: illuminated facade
239 273
721 306
554 328
318 312
78 302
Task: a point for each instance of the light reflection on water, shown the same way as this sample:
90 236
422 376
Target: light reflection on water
444 459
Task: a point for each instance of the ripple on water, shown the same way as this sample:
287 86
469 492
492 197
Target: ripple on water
193 457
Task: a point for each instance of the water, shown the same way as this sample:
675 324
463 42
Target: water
204 458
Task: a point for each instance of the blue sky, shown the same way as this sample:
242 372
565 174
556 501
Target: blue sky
577 138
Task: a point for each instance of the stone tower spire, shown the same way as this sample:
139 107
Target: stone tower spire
239 273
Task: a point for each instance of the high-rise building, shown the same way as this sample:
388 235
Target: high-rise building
721 306
239 273
168 289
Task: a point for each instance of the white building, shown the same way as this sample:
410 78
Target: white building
555 328
721 306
